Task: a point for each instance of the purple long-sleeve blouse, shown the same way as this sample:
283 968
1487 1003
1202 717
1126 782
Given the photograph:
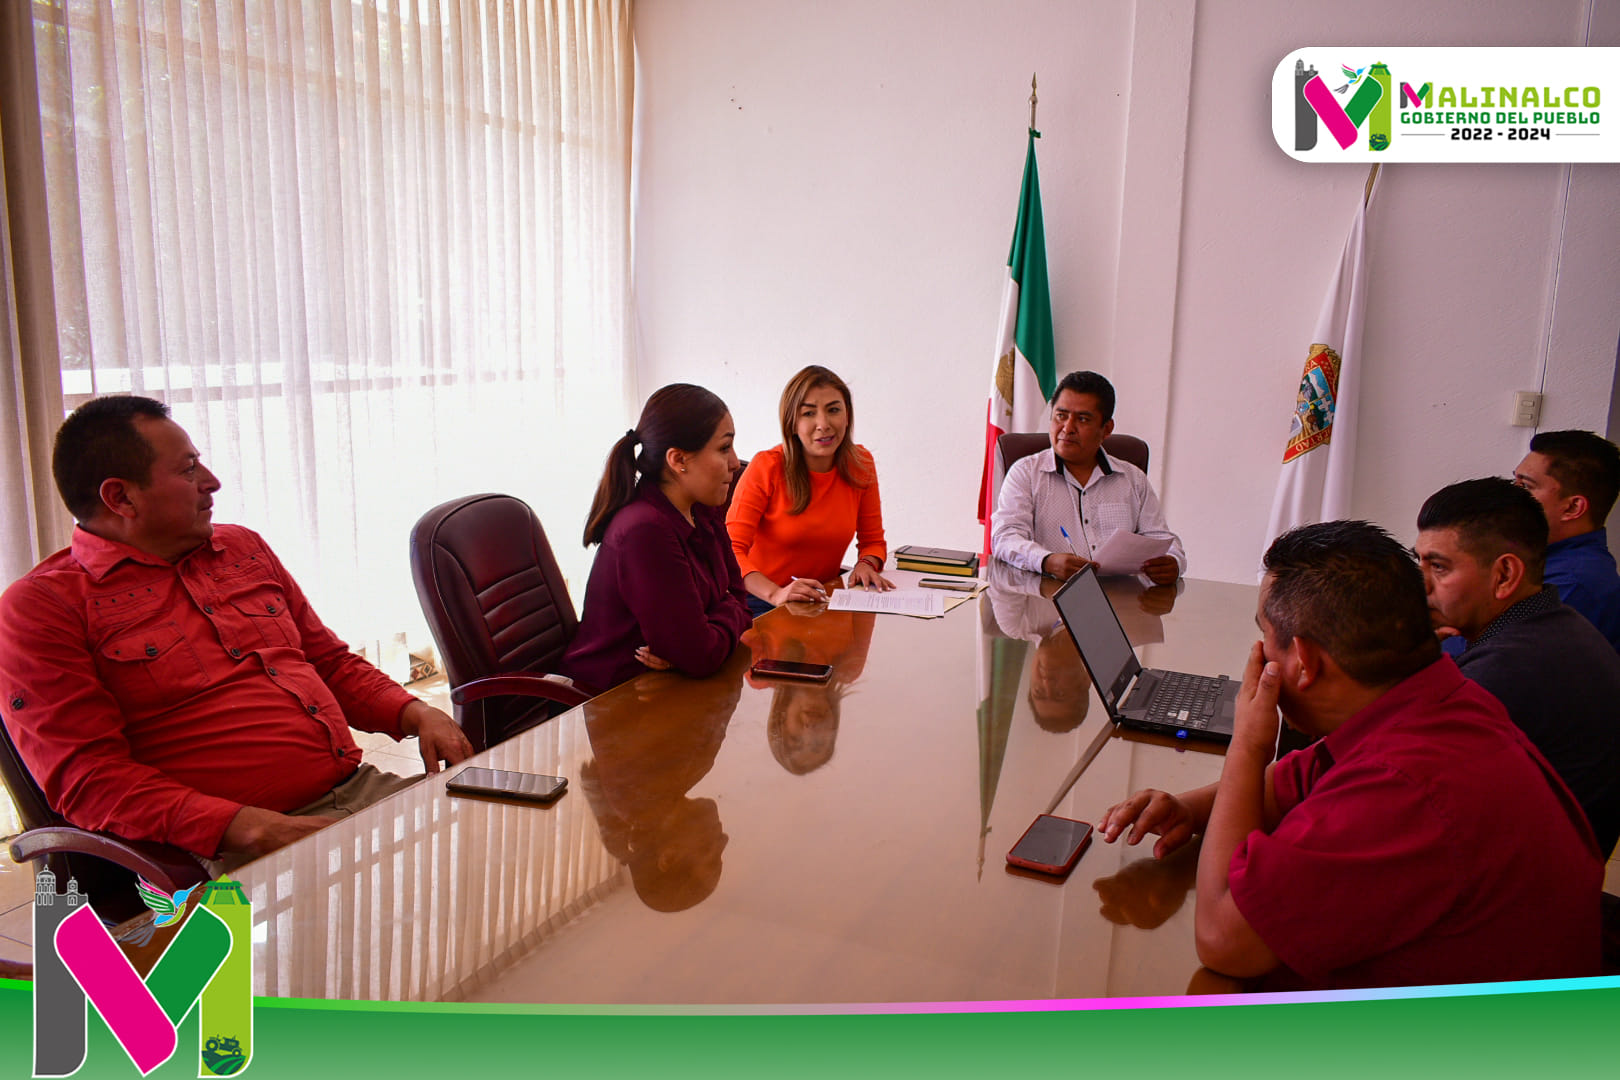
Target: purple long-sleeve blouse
662 582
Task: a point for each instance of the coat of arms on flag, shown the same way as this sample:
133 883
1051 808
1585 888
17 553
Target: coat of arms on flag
1312 425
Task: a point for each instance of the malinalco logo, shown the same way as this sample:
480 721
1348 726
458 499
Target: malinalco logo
208 964
1445 104
1367 102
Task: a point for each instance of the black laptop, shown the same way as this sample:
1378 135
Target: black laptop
1167 702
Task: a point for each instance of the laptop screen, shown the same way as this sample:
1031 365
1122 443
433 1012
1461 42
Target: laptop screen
1097 634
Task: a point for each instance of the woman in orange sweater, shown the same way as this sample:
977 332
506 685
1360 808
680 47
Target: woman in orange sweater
798 505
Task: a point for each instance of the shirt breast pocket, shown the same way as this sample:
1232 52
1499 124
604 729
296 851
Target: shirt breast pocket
150 668
264 606
1112 517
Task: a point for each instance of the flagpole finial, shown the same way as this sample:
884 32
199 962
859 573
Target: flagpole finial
1032 101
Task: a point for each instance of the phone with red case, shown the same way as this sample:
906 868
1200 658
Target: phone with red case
1051 845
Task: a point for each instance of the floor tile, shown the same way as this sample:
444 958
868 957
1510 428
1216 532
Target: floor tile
16 882
371 742
402 762
18 925
434 691
16 961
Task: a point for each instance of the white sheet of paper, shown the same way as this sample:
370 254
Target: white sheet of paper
1125 552
929 603
908 579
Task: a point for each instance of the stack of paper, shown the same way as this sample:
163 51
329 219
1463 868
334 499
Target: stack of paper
927 603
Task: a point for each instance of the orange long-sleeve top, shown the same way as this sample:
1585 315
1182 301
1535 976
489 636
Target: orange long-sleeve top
781 545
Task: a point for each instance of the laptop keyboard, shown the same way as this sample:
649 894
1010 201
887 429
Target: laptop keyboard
1185 700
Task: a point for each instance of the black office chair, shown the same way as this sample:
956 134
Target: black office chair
1020 444
736 474
499 611
104 865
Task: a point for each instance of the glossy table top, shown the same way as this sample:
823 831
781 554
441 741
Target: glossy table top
730 840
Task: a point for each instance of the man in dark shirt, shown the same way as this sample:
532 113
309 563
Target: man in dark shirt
166 680
1575 476
1420 840
1481 544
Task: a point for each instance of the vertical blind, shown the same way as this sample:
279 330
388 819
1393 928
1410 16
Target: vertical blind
374 253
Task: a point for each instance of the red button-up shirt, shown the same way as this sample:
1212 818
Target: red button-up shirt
154 700
1423 841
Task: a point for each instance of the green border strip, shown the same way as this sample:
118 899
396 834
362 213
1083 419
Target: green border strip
1548 1033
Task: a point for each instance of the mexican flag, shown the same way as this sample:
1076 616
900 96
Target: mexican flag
1319 458
1026 365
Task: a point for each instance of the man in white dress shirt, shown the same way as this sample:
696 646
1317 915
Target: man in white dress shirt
1077 488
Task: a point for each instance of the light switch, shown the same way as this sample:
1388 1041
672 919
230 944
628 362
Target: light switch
1526 408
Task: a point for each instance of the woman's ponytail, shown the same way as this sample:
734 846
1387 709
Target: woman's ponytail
616 488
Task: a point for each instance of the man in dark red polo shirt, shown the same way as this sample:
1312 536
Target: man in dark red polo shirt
166 680
1421 840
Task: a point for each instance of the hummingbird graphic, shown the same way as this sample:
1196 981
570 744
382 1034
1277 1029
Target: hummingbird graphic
1352 74
166 909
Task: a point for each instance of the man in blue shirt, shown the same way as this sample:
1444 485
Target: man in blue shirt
1575 476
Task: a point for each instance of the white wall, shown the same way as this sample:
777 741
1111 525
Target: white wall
836 183
1459 306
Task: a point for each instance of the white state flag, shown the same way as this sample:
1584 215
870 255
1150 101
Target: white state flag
1319 460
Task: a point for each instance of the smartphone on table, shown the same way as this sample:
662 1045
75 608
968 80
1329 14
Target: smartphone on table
500 784
1052 845
793 669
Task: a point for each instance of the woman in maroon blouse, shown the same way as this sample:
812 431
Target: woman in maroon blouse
665 591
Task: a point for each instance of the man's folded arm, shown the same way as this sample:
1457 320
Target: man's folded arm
1013 523
1245 802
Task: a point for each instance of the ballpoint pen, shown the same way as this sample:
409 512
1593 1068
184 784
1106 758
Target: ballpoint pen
1070 541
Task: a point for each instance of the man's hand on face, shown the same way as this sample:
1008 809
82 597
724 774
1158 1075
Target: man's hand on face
1257 721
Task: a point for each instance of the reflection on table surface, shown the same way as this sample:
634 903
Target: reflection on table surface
738 840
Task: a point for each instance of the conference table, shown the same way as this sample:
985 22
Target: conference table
731 840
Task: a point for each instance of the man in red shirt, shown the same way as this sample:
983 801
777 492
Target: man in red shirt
1421 840
166 680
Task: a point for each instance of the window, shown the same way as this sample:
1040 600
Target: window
374 255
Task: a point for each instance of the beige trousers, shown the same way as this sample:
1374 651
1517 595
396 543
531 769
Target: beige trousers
366 785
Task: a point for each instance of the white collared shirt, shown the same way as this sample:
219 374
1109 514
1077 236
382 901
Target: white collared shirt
1039 497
